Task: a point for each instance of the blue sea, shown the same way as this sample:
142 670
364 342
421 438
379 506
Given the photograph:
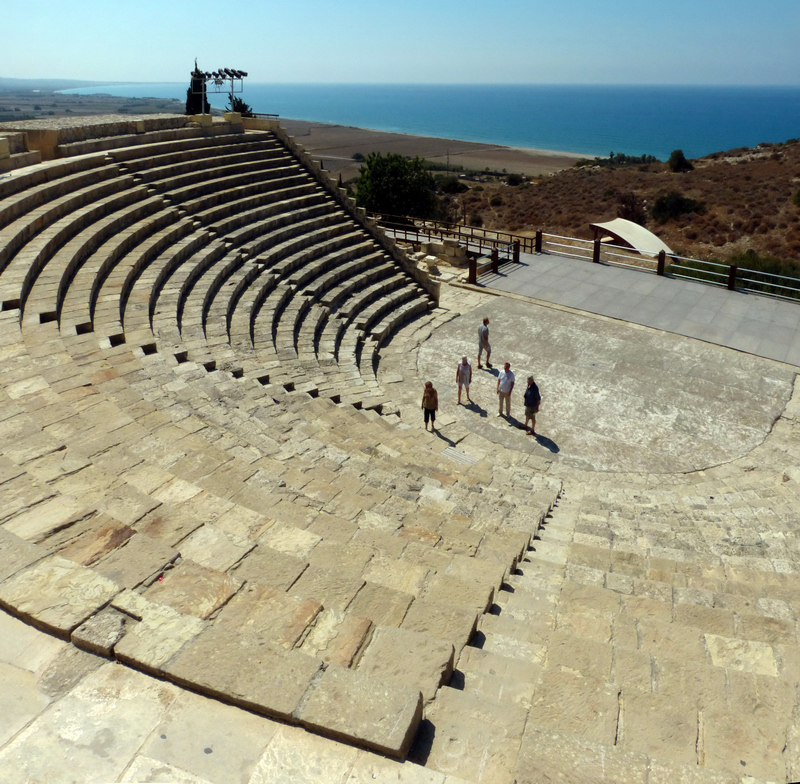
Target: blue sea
585 119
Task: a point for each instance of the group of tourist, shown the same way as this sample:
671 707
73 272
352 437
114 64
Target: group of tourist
505 386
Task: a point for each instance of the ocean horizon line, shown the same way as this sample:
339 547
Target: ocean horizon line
588 120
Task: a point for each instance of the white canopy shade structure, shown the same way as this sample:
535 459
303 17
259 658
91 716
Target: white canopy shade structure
631 235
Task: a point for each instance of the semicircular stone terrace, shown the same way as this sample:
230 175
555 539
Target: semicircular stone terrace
212 473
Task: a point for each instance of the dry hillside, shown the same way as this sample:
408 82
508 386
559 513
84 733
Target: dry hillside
749 196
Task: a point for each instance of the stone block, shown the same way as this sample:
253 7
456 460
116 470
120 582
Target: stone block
243 670
459 593
139 559
193 589
295 755
337 638
332 587
56 595
356 708
215 742
88 734
214 548
100 633
408 658
102 537
453 624
380 604
743 655
37 523
269 614
16 553
157 633
566 701
289 540
548 756
270 567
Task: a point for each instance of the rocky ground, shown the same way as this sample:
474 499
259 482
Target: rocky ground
747 196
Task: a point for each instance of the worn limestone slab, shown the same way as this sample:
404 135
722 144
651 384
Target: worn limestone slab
217 549
271 567
100 633
89 734
40 521
434 619
745 655
295 755
336 637
15 553
360 709
193 589
140 558
56 594
100 537
268 614
213 741
160 632
380 604
244 670
409 659
333 587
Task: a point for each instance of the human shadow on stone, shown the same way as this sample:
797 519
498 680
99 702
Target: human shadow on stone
438 434
474 407
547 443
514 422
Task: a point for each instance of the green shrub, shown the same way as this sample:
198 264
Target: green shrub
358 156
796 199
677 162
475 219
450 184
672 205
515 179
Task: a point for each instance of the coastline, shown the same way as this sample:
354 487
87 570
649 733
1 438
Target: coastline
335 146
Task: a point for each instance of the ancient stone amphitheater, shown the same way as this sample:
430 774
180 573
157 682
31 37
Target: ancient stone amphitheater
230 553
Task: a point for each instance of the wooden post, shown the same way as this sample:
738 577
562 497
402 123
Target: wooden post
732 278
596 252
495 260
662 260
472 277
516 251
538 245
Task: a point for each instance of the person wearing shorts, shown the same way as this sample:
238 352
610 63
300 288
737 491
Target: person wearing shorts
430 404
463 377
483 343
532 402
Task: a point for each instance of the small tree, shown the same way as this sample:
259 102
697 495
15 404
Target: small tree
196 100
631 207
237 104
395 185
672 205
677 162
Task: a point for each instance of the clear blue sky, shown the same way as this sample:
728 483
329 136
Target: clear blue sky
411 41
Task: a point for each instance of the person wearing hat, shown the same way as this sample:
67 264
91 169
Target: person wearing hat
532 402
463 377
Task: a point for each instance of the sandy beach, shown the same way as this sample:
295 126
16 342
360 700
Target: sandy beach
335 145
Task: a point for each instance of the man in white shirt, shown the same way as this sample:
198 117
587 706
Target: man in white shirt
505 385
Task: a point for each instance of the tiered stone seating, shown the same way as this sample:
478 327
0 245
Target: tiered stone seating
152 502
189 489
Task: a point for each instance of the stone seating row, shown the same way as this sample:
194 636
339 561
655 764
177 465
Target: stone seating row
73 263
